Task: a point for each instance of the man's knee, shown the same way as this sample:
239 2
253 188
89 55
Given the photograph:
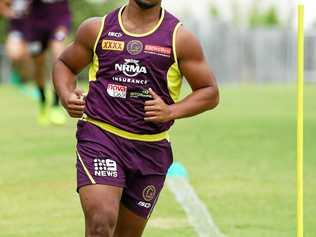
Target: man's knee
101 222
16 55
17 52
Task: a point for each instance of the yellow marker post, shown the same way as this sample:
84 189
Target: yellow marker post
300 119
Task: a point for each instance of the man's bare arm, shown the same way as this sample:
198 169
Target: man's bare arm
5 9
74 59
193 66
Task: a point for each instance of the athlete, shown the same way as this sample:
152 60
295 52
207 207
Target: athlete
16 44
137 56
50 22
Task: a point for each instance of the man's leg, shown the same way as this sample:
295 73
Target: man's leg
57 46
39 76
100 204
17 51
129 224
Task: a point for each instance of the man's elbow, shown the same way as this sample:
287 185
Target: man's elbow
213 98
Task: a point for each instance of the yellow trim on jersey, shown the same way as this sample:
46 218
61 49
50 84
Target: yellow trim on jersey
174 40
139 35
94 66
174 80
174 76
125 134
99 34
85 169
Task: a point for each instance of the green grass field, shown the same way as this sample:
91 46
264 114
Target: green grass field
241 160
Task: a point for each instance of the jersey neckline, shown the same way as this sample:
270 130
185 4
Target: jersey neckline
143 34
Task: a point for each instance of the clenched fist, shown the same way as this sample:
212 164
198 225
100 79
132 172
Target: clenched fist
156 110
75 103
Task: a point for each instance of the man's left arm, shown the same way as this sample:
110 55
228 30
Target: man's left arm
193 66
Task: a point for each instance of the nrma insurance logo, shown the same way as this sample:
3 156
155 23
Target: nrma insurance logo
131 68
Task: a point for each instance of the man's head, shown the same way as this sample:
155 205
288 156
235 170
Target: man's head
147 4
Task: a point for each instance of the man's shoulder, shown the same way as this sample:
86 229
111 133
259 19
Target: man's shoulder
89 30
169 16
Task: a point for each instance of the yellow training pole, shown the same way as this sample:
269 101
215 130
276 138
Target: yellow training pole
300 121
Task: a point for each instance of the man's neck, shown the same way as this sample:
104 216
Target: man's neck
133 15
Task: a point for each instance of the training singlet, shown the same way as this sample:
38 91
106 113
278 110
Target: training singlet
125 66
52 8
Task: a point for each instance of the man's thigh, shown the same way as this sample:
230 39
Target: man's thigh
138 201
129 224
100 198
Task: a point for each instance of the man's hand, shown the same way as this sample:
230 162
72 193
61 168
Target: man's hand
156 110
75 103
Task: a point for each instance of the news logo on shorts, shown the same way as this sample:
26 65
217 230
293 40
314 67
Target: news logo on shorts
105 168
117 91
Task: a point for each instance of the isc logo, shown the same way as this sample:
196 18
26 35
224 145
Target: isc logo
144 204
113 45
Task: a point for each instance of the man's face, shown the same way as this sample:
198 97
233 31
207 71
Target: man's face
147 4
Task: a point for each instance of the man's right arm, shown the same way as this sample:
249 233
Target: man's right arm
5 9
73 60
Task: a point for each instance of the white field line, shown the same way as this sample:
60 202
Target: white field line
196 211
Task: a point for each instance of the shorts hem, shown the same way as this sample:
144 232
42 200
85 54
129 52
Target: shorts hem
103 183
135 210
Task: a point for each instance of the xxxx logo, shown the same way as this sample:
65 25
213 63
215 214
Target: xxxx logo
113 45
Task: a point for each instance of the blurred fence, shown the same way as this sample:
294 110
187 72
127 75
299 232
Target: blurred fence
255 55
244 55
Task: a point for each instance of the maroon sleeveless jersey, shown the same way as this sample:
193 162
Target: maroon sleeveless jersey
125 66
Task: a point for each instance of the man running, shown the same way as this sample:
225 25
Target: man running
50 22
137 56
16 44
35 27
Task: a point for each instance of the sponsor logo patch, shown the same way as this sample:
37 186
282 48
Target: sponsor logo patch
130 80
115 34
118 91
144 204
158 50
130 68
149 193
105 168
113 45
140 94
135 47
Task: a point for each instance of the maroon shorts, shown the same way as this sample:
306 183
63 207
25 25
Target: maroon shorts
42 31
19 28
139 167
